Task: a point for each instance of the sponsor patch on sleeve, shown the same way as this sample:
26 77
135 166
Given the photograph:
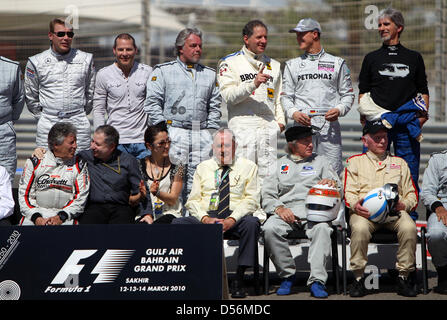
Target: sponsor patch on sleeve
30 73
24 170
270 93
285 169
154 78
223 68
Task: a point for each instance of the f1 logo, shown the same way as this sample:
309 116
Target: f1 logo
108 268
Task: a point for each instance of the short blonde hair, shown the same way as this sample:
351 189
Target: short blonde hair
56 21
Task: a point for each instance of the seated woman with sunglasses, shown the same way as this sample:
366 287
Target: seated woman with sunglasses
164 179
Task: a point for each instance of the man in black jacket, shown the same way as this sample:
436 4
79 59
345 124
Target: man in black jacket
392 78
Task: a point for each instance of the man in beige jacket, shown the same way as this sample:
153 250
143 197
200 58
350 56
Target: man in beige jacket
368 171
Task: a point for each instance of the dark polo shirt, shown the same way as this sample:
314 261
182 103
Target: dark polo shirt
112 181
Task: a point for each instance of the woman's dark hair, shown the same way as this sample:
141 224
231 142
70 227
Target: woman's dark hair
152 131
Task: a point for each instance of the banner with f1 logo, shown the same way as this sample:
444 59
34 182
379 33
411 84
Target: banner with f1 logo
83 262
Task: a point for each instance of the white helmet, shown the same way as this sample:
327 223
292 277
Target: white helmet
322 203
380 202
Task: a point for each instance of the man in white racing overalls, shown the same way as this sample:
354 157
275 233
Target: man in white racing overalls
250 84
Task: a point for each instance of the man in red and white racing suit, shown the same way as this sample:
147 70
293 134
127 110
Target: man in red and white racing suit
54 190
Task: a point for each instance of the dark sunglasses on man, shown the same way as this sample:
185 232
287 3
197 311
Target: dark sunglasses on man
62 34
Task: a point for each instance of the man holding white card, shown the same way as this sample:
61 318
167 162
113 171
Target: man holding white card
317 84
250 85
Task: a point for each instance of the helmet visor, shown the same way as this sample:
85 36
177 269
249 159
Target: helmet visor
318 207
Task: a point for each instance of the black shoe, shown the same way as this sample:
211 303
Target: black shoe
441 288
357 289
393 273
237 289
442 280
405 288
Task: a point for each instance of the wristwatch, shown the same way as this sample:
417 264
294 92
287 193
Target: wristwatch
63 216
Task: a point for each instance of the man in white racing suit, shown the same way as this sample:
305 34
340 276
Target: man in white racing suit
250 84
317 90
54 190
59 85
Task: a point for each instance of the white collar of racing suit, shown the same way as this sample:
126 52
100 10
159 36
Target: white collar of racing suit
61 56
256 60
315 56
59 161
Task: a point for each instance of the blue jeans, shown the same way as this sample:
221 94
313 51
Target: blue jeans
138 150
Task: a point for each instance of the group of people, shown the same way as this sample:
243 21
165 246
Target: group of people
154 159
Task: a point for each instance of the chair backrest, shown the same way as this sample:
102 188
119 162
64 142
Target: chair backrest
341 217
16 216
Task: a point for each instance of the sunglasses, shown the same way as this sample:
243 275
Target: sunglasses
162 143
62 34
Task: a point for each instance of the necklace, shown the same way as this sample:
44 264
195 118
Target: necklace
116 170
162 169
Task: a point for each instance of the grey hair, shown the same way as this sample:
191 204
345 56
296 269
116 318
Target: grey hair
59 132
395 16
222 131
289 146
111 135
182 36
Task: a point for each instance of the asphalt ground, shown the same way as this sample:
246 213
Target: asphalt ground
300 291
